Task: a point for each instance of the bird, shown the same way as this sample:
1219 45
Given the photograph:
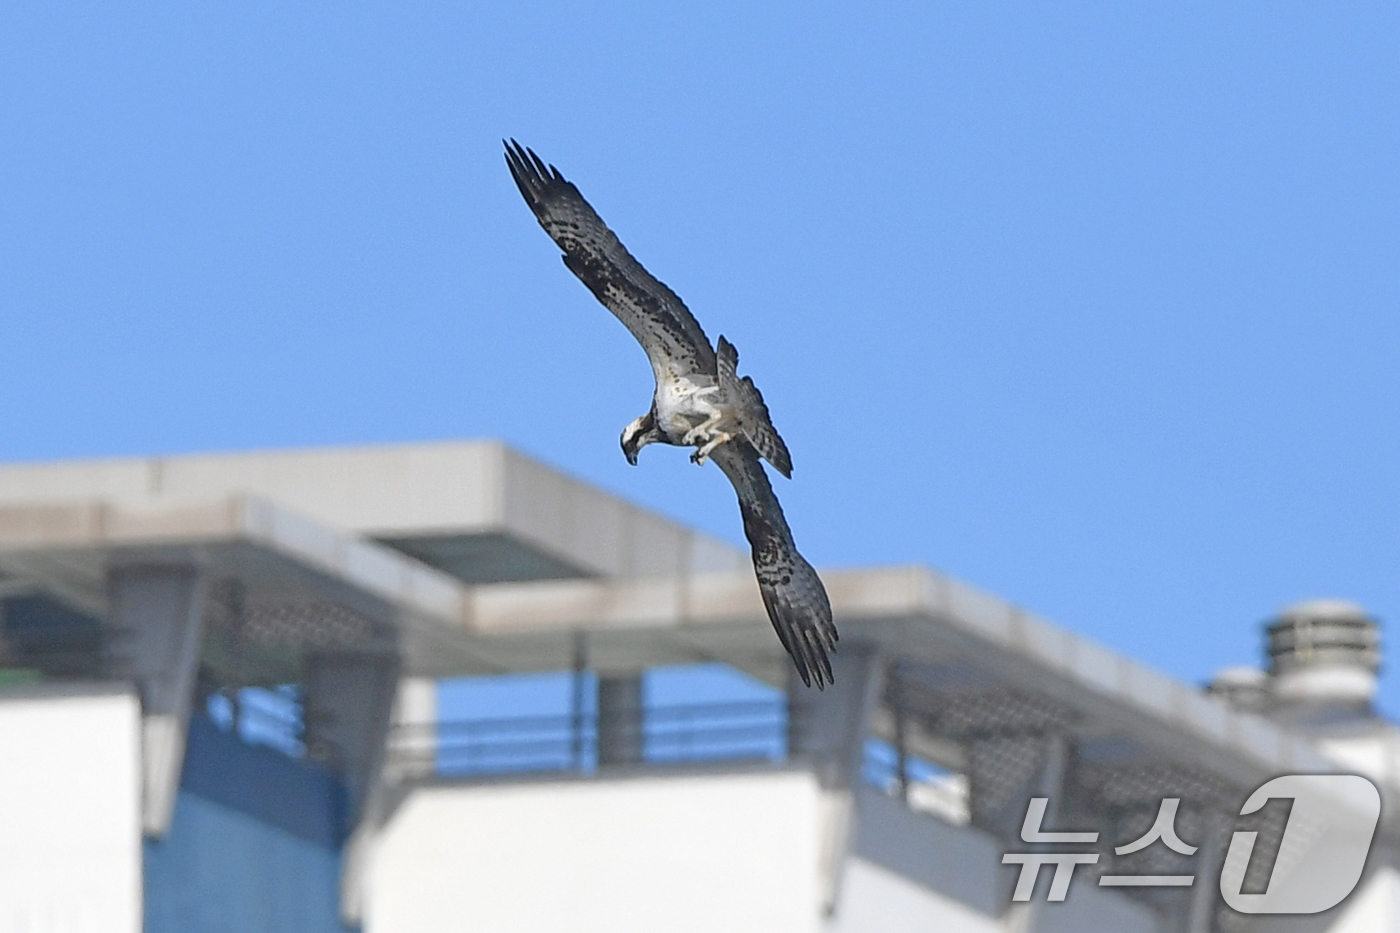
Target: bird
699 401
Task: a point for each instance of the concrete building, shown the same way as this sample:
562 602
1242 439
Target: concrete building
143 598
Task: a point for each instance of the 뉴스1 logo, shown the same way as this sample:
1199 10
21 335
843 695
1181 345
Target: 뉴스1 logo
1320 858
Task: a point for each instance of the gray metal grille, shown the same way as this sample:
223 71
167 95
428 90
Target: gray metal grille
1110 784
267 644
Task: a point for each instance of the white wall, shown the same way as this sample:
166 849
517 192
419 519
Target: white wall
721 852
875 899
735 852
70 811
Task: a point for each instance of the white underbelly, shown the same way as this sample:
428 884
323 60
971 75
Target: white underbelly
680 404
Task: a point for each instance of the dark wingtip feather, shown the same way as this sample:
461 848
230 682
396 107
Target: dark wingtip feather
540 168
520 172
515 155
726 349
537 182
806 644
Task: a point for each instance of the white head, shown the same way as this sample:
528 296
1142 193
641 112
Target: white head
641 432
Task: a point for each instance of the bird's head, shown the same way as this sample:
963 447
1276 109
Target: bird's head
641 432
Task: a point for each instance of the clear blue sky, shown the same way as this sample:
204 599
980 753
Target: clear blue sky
1093 305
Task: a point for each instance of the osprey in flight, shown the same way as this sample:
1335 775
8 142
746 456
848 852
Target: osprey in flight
700 401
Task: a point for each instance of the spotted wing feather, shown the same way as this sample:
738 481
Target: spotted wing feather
792 592
656 316
752 412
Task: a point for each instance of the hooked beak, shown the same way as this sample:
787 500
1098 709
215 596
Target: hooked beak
634 438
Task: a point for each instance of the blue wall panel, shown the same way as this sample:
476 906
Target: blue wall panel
255 845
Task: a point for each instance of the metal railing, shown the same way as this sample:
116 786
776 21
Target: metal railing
663 735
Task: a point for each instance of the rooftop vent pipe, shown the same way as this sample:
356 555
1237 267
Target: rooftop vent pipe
1324 653
1245 688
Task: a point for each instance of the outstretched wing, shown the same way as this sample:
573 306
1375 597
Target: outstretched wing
792 592
752 414
655 315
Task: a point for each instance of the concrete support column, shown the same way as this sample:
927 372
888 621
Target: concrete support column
1024 917
827 731
157 612
346 710
620 739
349 697
895 692
578 705
827 728
1205 893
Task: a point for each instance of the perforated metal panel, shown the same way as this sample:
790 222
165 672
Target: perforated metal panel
1110 784
268 644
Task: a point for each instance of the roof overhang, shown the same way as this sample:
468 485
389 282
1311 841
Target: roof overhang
445 627
476 509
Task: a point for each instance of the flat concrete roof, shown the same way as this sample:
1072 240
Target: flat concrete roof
476 509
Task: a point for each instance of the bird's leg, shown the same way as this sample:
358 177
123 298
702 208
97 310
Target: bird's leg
702 429
713 416
700 456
